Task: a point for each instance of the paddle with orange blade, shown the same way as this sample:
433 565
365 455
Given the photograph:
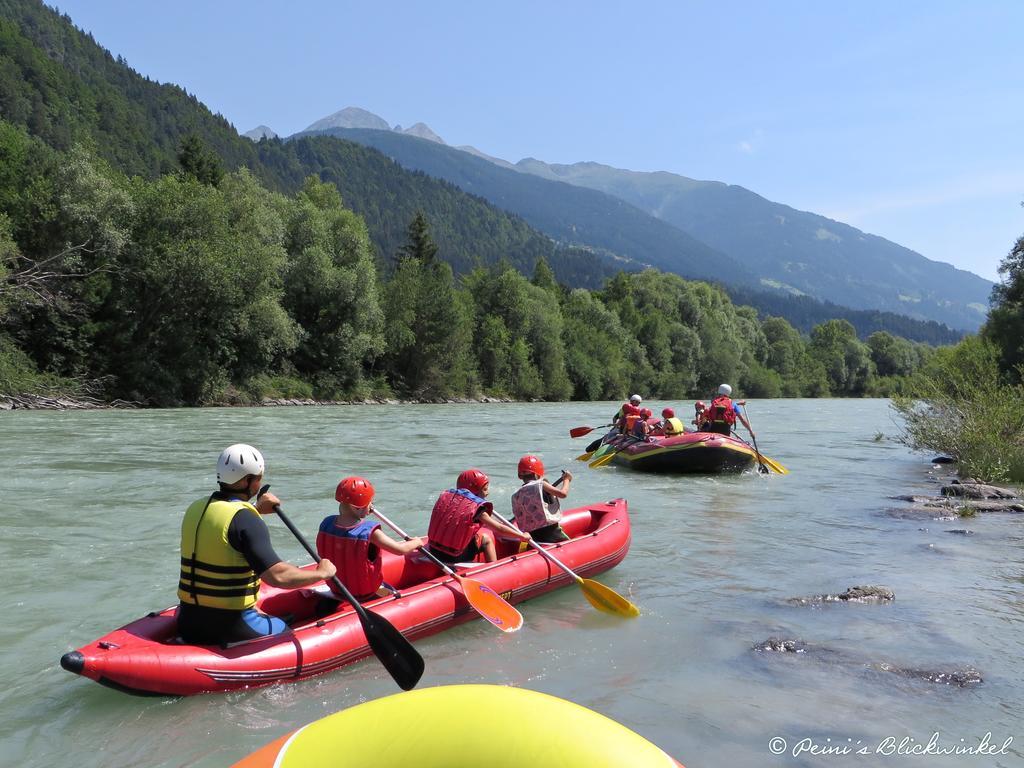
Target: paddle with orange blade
482 598
581 431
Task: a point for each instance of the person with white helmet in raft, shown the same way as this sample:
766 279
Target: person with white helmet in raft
226 552
627 409
723 412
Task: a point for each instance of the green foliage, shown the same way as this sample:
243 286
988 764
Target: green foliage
19 375
264 386
1005 326
966 410
847 361
428 328
199 161
331 291
198 290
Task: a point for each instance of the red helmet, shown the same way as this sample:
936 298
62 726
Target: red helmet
531 465
668 413
473 480
354 491
699 405
645 413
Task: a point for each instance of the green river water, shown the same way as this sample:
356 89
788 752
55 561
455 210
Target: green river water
94 502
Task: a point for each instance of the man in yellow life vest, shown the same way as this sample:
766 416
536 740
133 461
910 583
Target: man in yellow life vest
226 552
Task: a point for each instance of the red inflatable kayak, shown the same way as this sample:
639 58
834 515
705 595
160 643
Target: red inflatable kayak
698 452
146 658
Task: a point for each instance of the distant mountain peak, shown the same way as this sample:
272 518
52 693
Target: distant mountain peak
423 131
260 132
350 117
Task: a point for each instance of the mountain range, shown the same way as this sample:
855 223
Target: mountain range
699 229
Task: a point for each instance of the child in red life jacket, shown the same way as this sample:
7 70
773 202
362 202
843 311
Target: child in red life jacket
459 516
535 504
353 543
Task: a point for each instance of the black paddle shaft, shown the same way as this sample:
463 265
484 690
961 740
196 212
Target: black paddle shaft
760 462
390 646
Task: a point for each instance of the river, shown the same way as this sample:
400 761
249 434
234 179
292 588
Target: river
93 504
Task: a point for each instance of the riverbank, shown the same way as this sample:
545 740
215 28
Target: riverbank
65 403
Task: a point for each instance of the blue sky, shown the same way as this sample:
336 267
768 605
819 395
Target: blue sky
904 119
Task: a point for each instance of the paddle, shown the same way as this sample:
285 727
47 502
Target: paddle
390 646
608 453
482 598
581 431
762 460
585 456
598 595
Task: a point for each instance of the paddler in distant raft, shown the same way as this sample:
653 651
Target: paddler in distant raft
226 552
456 533
622 416
721 415
669 426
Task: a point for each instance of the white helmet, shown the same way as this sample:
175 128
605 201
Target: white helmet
725 389
237 461
635 399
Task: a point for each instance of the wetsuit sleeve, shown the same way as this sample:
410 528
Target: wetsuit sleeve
249 535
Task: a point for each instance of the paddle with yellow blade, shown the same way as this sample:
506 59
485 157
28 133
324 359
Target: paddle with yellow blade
592 448
482 598
598 595
763 461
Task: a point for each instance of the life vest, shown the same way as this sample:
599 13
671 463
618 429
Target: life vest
452 525
530 510
721 411
673 426
631 421
213 573
360 567
639 428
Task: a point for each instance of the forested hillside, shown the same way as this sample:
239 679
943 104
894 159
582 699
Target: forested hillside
570 214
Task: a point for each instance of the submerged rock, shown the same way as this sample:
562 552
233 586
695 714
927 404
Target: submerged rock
958 677
778 645
861 594
961 531
943 460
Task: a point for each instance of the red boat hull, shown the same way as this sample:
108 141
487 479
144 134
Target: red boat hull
145 657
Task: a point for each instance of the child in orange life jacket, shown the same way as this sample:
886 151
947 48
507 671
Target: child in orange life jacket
699 409
353 543
535 504
641 428
459 516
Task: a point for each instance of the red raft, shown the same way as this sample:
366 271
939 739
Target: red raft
697 452
146 658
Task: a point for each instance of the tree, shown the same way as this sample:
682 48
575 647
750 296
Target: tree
428 323
419 244
1005 325
847 361
199 161
196 303
330 290
892 355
